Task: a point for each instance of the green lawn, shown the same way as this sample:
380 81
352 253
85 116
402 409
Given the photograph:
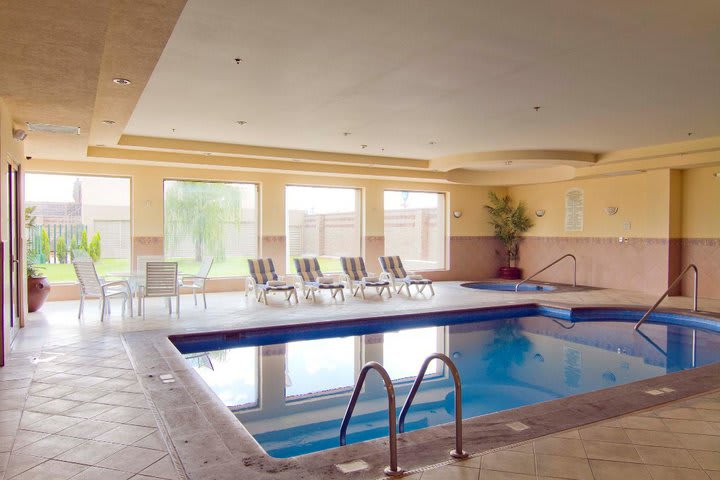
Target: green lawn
231 267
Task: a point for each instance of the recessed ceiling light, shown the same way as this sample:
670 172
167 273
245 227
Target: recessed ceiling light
432 142
121 81
347 134
238 60
536 108
363 146
690 134
109 122
508 162
241 122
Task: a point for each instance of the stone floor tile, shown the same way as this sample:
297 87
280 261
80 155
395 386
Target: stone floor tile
18 463
506 461
90 452
89 429
659 472
495 475
606 470
653 438
560 446
26 437
669 457
618 452
121 414
53 424
28 418
690 426
132 459
50 446
452 472
699 442
98 473
643 423
154 441
563 467
144 420
163 468
88 410
51 470
604 434
55 406
126 434
707 460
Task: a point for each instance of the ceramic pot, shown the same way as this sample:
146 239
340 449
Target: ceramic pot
510 273
38 291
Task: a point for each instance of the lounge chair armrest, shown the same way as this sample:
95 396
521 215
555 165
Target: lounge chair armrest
386 276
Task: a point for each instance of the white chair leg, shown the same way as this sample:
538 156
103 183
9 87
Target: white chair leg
432 290
169 304
342 295
389 292
177 304
362 291
297 302
312 290
102 308
82 305
142 307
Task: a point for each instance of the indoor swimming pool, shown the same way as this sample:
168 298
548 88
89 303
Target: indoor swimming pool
290 386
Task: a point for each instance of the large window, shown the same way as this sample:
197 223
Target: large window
78 215
415 228
211 219
322 222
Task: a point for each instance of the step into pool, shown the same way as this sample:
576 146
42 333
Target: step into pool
290 387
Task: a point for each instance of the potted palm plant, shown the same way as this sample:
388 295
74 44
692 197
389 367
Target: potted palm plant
509 223
38 287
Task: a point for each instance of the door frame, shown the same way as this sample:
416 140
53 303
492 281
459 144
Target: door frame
12 193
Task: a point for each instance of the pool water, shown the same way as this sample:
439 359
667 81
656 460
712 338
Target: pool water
510 287
290 389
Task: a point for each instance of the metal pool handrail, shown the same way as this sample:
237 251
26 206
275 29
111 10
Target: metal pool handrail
393 469
672 285
553 263
458 452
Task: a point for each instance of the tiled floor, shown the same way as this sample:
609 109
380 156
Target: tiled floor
680 441
71 405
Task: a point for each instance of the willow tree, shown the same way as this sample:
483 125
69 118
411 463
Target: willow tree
200 212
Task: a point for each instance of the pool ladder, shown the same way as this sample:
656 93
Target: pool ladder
393 469
570 255
667 292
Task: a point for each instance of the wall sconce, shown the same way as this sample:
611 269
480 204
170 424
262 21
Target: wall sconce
716 174
611 210
457 213
539 213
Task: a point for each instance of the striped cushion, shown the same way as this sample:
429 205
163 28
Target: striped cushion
308 269
262 270
394 266
354 267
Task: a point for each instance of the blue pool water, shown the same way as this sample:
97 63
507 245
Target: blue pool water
510 287
290 387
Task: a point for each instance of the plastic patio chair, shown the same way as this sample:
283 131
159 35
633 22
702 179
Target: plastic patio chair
92 286
160 281
197 282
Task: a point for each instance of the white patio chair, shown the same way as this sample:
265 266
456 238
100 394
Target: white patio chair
92 286
160 282
197 282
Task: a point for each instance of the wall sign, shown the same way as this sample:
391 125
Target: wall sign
574 210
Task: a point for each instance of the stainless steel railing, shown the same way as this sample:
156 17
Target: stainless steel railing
672 285
548 266
458 452
393 469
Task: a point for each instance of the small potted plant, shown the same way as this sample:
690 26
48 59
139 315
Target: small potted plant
38 287
509 223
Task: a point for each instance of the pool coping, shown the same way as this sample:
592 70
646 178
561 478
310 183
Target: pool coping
206 440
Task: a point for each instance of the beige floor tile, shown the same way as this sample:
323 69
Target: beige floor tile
619 452
653 438
18 463
495 475
563 467
713 475
690 426
606 470
55 406
526 448
673 473
699 442
53 424
560 446
670 457
156 442
643 423
89 429
26 437
133 459
51 446
90 452
88 410
51 470
604 434
451 473
682 413
505 461
707 460
163 468
567 434
97 473
126 434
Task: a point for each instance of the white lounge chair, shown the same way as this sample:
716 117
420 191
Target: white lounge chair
197 282
92 286
358 278
313 280
394 271
264 280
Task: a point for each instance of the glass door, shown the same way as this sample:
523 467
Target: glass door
11 273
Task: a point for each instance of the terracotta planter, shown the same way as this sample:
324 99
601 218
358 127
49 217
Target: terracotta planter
510 273
38 291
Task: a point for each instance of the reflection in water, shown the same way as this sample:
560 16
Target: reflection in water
296 407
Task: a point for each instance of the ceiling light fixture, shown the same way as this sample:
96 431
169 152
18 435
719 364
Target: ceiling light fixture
347 134
536 108
363 146
121 81
241 122
109 122
432 142
690 134
238 60
508 162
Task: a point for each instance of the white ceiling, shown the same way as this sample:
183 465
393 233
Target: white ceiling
609 74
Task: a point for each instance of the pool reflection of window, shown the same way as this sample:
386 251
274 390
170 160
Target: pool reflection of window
232 374
319 367
404 352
